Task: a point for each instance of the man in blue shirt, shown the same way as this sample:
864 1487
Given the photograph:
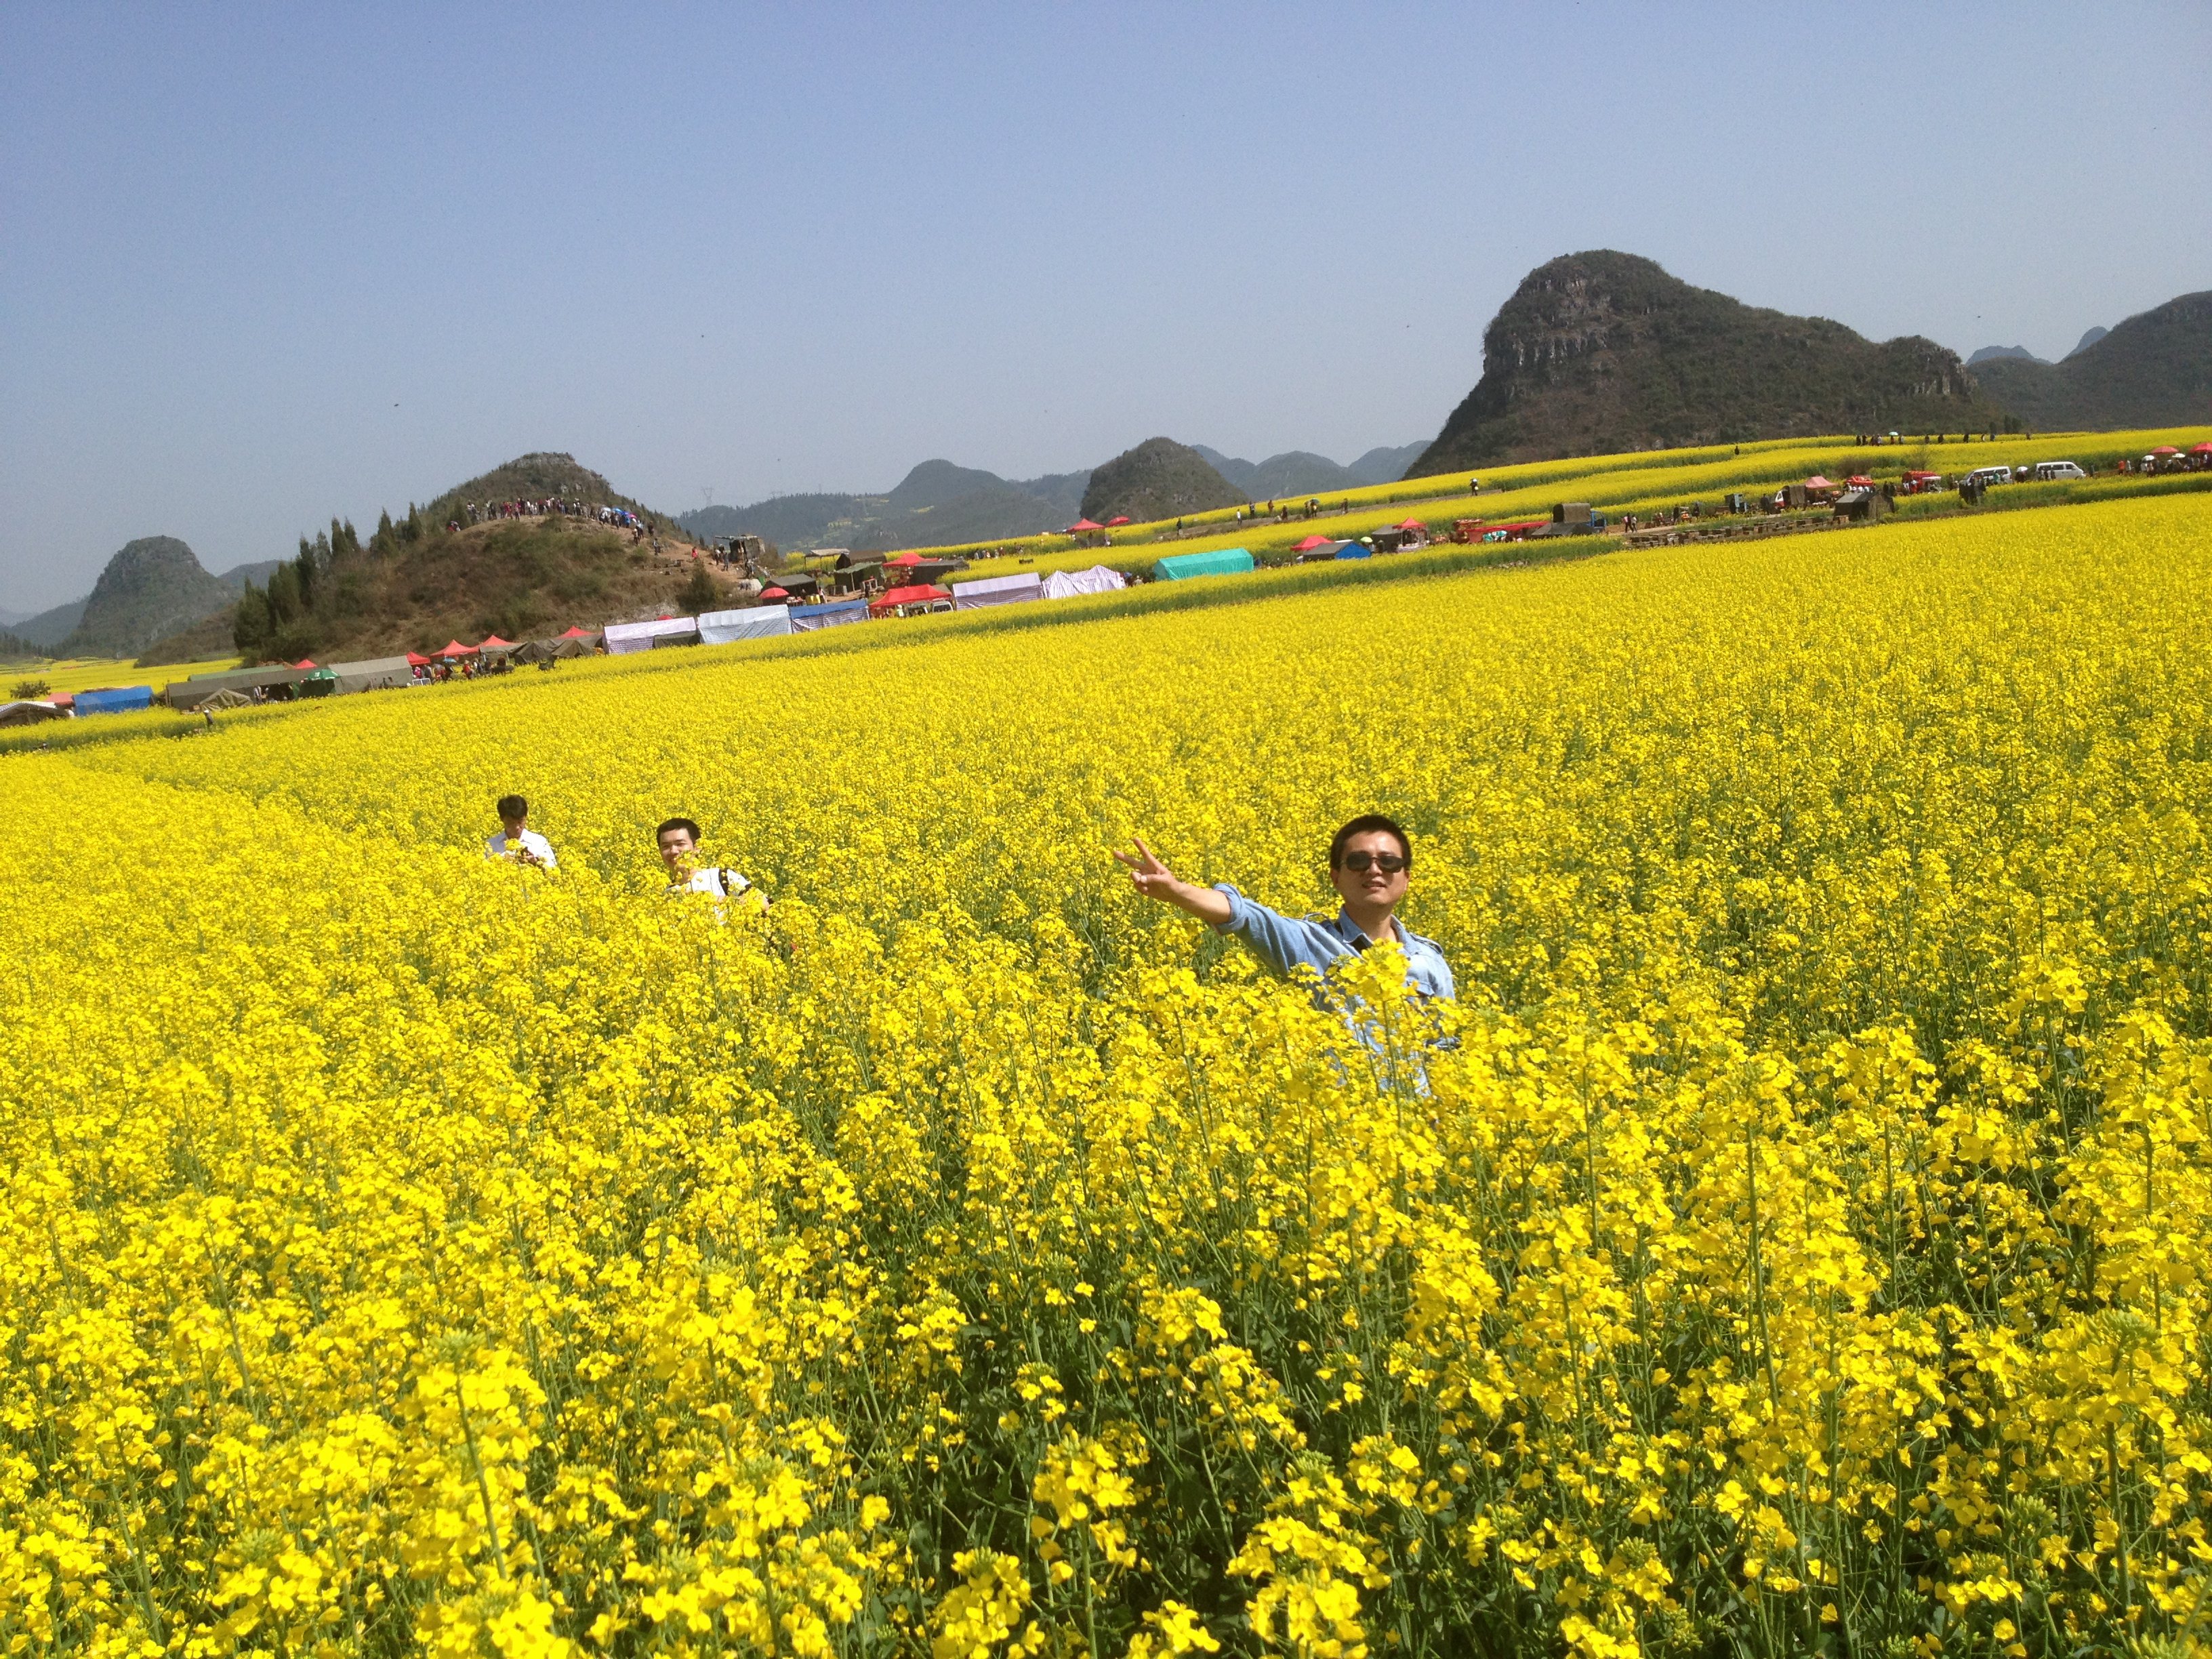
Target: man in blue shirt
1370 861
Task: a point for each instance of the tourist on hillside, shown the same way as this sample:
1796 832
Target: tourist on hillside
1370 861
678 841
515 840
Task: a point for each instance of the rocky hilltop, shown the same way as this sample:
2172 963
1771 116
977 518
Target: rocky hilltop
2154 369
1159 479
1600 352
152 587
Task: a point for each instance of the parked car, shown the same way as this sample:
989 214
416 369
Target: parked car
2046 470
1986 475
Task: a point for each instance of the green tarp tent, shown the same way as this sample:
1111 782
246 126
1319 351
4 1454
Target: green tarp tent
1221 561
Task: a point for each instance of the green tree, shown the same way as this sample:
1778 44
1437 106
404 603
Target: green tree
700 594
285 600
249 621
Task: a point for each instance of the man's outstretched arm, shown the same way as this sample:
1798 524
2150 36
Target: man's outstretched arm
1155 880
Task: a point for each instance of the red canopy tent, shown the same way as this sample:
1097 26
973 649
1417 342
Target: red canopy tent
415 660
493 642
579 634
1409 524
1816 482
455 648
1311 543
305 662
1082 526
907 560
1118 521
919 593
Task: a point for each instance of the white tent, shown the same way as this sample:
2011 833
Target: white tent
997 590
623 638
756 623
1066 584
30 713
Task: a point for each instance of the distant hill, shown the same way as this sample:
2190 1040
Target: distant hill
1295 472
1600 352
48 629
936 503
1159 479
2088 340
1386 465
153 587
2153 369
1991 353
238 575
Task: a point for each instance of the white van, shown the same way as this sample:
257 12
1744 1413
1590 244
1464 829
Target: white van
1986 475
2046 470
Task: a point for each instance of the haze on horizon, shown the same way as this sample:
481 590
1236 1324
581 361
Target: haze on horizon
260 266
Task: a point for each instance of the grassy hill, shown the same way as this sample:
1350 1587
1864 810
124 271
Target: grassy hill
1603 352
1159 479
435 575
2154 369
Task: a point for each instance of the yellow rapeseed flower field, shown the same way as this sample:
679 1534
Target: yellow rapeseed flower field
1801 1240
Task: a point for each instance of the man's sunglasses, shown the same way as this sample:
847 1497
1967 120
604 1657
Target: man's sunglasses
1388 863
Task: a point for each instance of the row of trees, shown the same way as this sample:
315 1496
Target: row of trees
277 620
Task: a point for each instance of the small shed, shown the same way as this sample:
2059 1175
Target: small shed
1570 512
1862 506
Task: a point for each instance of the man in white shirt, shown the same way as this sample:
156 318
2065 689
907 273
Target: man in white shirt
678 841
515 840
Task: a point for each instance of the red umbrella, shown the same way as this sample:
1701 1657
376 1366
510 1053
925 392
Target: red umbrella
455 648
773 593
414 661
578 634
2166 449
1118 521
2201 449
1082 524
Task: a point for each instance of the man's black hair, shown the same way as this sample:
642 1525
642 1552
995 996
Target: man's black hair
684 824
1367 823
512 806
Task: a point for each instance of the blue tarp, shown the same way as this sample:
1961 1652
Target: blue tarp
1355 550
1221 561
113 702
805 619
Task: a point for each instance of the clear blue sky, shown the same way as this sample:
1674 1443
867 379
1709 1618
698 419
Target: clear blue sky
263 264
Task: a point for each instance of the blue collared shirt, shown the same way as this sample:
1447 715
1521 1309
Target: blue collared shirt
1319 943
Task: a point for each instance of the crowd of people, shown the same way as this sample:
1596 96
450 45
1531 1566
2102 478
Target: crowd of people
1370 864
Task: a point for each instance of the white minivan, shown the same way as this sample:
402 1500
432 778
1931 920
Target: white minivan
1989 474
2046 470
